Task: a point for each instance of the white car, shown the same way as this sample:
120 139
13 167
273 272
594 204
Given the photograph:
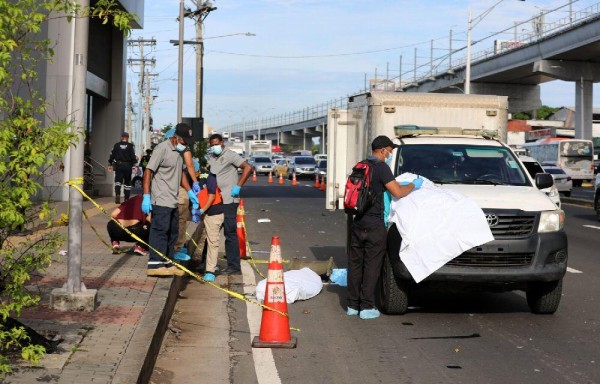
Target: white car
562 181
533 167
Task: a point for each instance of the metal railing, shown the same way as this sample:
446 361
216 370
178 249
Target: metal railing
542 29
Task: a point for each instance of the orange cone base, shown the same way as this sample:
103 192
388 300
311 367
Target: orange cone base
257 343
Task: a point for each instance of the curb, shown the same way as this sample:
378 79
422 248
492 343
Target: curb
138 361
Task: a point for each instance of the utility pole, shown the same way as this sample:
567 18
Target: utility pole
129 110
74 296
203 8
139 138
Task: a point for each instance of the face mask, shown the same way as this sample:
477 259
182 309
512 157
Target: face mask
388 160
180 147
216 150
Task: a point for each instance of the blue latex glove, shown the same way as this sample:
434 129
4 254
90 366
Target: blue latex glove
146 204
193 199
196 213
404 182
418 182
235 191
196 188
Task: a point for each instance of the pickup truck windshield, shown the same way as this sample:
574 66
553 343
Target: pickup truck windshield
462 164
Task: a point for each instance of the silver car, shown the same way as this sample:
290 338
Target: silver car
261 164
302 165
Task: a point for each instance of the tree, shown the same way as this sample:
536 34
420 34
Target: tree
31 149
545 112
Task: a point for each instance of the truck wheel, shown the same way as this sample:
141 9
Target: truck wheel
544 297
393 294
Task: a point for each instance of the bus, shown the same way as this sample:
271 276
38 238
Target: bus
574 156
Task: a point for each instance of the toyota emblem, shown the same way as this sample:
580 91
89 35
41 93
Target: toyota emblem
492 219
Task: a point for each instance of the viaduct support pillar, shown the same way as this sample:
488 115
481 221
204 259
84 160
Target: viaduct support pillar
584 93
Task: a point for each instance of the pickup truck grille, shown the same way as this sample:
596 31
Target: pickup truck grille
492 260
510 226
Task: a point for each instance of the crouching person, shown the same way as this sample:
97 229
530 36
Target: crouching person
129 215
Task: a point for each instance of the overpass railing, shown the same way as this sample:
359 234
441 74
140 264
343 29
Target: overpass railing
540 28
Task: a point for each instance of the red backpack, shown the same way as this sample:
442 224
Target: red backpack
359 197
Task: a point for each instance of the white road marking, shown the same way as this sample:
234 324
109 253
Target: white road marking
264 364
573 270
592 226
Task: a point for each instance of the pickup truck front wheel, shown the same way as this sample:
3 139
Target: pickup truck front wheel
393 293
544 297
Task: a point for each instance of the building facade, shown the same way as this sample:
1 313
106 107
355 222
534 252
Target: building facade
105 96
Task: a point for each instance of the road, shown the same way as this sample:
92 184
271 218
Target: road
444 338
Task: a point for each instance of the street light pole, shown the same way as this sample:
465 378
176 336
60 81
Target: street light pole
469 42
468 65
180 65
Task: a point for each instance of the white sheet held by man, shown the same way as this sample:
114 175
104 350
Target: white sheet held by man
436 225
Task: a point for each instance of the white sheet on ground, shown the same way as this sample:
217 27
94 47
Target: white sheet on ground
300 284
436 225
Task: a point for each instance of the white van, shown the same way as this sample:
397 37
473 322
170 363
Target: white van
534 167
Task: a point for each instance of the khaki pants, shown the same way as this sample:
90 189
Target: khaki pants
210 232
185 215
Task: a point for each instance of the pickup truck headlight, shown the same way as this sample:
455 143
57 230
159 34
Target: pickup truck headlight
551 221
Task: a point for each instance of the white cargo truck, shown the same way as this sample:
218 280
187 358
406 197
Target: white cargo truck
259 148
458 142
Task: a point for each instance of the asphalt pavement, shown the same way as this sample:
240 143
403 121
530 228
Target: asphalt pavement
475 337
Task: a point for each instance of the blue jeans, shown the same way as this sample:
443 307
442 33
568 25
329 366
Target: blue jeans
163 235
232 250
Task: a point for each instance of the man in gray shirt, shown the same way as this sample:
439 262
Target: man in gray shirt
224 163
162 178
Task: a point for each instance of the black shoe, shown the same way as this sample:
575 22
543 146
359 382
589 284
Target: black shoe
118 200
232 271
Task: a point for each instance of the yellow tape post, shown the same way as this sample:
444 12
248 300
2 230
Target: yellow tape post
75 184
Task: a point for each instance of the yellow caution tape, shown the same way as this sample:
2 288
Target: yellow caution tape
75 184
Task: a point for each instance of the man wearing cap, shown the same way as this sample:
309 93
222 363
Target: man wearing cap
122 159
224 163
368 234
162 177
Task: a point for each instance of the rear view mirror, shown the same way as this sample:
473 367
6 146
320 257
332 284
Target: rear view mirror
543 180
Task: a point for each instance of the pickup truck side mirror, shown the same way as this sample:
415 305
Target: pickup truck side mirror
543 180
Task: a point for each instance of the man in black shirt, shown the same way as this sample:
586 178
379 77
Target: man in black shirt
122 159
368 233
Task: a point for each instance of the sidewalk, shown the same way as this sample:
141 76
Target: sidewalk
111 344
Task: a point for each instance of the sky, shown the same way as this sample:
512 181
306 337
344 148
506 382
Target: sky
307 52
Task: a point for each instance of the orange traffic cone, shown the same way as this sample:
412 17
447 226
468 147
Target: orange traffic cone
270 177
254 176
323 184
281 178
240 230
317 185
294 181
274 326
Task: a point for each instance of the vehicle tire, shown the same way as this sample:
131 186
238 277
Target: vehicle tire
544 297
393 293
577 183
289 175
567 194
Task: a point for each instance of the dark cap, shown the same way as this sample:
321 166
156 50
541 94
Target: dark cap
124 134
185 132
382 142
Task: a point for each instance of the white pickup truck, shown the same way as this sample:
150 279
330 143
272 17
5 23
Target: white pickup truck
456 141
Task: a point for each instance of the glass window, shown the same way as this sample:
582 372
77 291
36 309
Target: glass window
555 171
462 164
305 160
533 168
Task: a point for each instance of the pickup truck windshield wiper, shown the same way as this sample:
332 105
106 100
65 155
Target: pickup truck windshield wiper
448 181
482 181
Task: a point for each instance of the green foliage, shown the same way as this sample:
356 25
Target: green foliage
545 111
31 145
200 149
521 116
